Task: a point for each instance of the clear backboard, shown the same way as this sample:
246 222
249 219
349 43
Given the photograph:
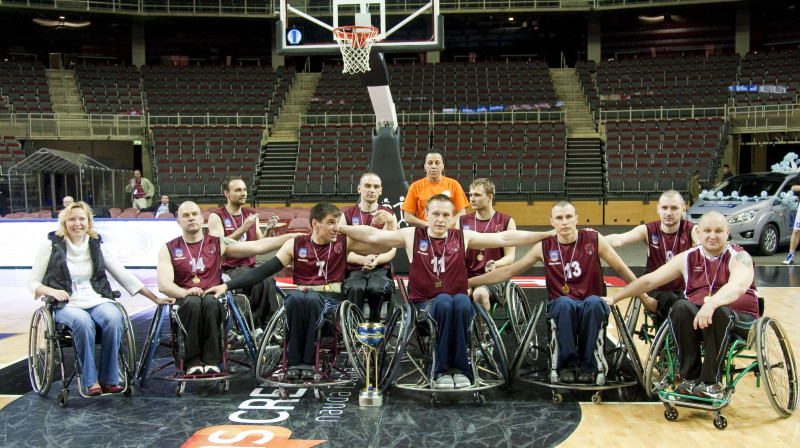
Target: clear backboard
305 27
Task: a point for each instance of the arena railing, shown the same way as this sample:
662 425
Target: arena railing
208 120
432 118
765 118
74 126
662 113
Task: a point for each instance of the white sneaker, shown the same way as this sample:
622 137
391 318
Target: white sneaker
461 381
444 382
211 369
194 370
789 259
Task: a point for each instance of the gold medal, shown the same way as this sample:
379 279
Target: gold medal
196 280
327 288
565 289
706 299
437 284
480 257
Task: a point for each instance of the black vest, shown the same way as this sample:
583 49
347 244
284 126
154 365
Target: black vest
57 275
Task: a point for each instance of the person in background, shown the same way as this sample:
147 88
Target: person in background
163 207
435 182
141 190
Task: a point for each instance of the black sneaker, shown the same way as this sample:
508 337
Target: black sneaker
306 374
567 375
293 374
713 390
687 387
586 377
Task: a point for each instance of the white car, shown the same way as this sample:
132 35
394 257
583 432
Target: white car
765 222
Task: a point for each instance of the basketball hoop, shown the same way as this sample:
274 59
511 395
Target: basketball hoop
355 43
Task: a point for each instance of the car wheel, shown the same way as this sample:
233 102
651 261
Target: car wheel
768 243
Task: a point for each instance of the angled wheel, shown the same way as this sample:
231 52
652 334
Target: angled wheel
528 348
490 354
776 365
127 350
41 351
519 310
150 344
270 355
242 325
350 316
394 344
659 370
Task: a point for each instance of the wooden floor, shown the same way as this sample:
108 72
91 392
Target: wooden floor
751 419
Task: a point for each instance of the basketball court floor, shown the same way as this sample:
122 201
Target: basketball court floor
523 416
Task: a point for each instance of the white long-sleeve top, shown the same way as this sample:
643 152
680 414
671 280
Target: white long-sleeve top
79 263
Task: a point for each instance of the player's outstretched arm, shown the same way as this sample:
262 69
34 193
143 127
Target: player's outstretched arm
506 273
617 240
508 238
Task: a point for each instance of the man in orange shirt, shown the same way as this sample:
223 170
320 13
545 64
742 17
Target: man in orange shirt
434 183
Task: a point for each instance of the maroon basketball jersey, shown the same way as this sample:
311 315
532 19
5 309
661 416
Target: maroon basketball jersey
575 265
316 264
702 272
442 255
661 247
354 217
230 223
201 258
476 265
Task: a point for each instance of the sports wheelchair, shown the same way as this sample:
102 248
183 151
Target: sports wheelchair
618 361
236 328
335 337
407 358
512 312
773 363
47 340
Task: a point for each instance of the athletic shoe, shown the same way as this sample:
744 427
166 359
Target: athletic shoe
306 374
567 375
586 377
211 369
293 374
789 259
444 382
460 381
195 370
687 387
713 390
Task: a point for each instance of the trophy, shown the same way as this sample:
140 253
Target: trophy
371 334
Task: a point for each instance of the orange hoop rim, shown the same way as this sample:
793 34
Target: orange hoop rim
356 35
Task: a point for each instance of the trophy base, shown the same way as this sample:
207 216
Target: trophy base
368 398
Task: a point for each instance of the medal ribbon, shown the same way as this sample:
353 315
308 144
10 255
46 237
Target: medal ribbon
199 254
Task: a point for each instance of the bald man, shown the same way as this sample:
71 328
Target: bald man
722 298
190 264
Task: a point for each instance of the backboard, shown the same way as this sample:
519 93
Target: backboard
305 27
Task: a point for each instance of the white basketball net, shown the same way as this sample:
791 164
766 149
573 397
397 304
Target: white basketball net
355 43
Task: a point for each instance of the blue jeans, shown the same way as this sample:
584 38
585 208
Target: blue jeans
577 321
82 325
452 316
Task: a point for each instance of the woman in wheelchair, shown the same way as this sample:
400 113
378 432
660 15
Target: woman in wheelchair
71 267
722 299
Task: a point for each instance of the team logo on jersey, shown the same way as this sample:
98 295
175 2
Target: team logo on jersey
227 222
553 255
589 248
337 248
356 220
498 228
466 227
423 245
211 250
683 241
654 239
302 252
178 252
454 246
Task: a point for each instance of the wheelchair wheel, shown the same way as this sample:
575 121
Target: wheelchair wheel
350 316
528 348
394 344
659 369
41 351
127 351
489 353
776 365
270 354
519 310
150 345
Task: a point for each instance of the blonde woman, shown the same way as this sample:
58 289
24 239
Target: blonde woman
71 267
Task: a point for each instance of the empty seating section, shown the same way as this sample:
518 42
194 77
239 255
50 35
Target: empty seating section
521 158
192 161
779 69
110 89
651 83
11 153
196 90
24 86
643 157
424 87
